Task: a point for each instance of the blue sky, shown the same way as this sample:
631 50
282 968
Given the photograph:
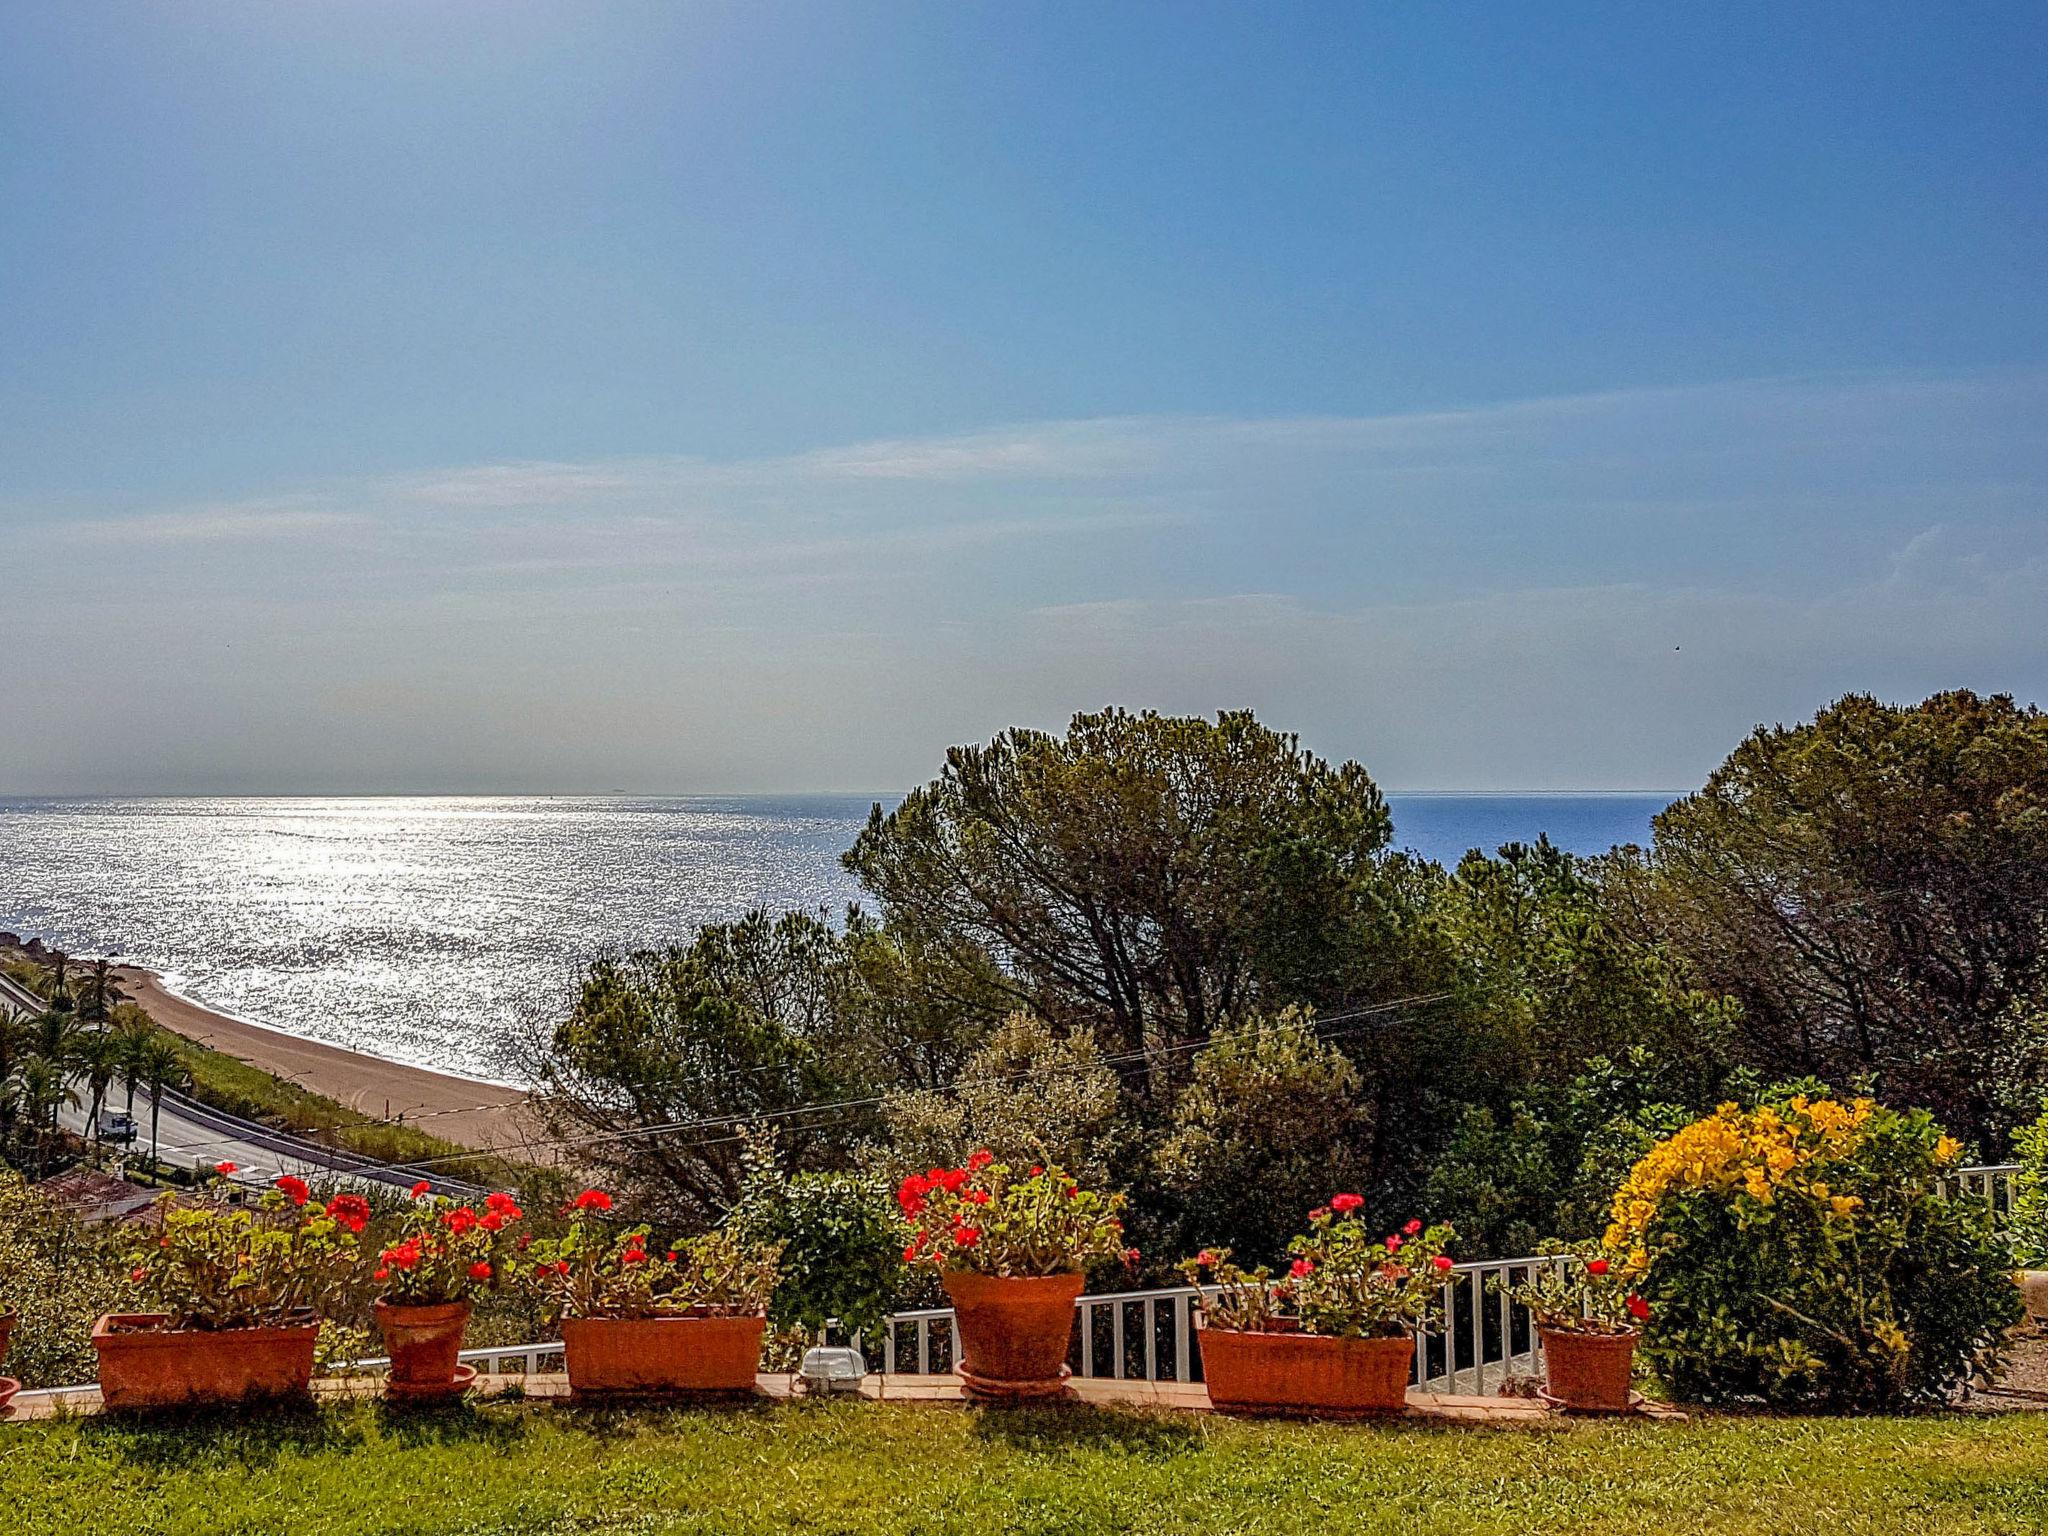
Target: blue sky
676 397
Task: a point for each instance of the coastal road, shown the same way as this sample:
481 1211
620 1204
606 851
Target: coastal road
195 1134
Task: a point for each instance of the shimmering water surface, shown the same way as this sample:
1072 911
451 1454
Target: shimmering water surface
415 928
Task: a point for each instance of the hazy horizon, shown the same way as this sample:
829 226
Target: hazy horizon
650 398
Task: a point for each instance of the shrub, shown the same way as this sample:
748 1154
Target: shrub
1269 1118
1030 1094
57 1274
1805 1253
841 1246
216 1266
2030 1194
982 1217
445 1252
1588 1293
1342 1281
592 1270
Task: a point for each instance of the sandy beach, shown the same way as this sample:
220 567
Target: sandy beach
462 1109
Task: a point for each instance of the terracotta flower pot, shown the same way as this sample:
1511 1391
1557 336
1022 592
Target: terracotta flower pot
1306 1373
1587 1372
144 1364
1012 1333
662 1356
423 1343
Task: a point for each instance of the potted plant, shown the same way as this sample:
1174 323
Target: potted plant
444 1254
1336 1335
238 1296
1013 1254
1587 1318
685 1321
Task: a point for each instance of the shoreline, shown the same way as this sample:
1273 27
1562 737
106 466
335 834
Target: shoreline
467 1110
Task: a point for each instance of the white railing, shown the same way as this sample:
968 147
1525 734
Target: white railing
1150 1335
1994 1181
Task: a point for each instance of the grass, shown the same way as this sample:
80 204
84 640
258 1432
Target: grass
508 1466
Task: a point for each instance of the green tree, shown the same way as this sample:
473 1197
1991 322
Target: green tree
100 1057
1270 1124
1146 875
705 1038
1872 887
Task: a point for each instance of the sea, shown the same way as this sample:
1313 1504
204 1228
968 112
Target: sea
421 928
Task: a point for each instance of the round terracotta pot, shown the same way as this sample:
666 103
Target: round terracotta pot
1306 1373
423 1343
1012 1333
2033 1285
144 1364
662 1356
1587 1372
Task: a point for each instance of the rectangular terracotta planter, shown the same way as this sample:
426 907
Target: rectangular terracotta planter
662 1356
1306 1373
145 1365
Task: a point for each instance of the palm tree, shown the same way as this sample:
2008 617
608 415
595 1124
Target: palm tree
60 997
44 1091
100 1056
55 1036
158 1066
133 1027
14 1055
101 992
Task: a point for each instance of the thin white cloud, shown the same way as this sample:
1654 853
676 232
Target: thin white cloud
213 525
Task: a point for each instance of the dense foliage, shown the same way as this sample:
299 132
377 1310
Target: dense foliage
841 1246
1807 1252
2029 1232
1872 889
214 1265
57 1274
1342 1279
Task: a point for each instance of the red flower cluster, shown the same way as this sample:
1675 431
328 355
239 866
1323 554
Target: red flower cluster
295 1188
350 1211
1343 1205
1639 1309
592 1200
224 1169
421 1189
911 1193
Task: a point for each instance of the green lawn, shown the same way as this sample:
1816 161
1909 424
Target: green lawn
819 1467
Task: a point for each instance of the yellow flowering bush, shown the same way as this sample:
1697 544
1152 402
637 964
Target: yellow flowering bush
1805 1251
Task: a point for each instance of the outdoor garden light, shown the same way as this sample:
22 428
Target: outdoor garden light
833 1368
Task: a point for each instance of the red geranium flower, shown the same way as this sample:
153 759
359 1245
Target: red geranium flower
1301 1269
966 1237
1394 1242
1412 1228
421 1188
1037 1169
491 1221
294 1187
975 1196
1639 1309
910 1195
351 1211
224 1169
460 1220
479 1271
1596 1266
382 1271
1205 1258
633 1256
1131 1257
980 1160
1343 1203
1442 1261
504 1205
593 1200
1320 1213
138 1274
